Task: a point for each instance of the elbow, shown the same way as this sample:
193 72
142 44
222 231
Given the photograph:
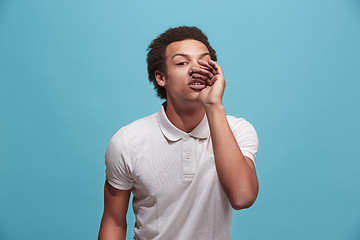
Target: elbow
243 204
244 201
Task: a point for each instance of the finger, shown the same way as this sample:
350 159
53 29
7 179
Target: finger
216 66
207 65
212 81
204 63
202 71
200 76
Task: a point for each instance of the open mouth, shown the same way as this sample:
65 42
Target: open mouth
197 85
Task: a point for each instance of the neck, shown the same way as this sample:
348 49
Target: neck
185 116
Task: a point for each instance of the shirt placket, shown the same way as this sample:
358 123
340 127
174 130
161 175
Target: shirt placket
188 157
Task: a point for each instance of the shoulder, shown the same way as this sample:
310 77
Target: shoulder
135 130
245 136
239 124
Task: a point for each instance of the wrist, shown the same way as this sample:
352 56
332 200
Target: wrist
214 108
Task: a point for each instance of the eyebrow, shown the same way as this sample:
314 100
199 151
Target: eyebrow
187 56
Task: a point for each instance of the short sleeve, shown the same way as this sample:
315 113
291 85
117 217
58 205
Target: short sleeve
245 136
118 162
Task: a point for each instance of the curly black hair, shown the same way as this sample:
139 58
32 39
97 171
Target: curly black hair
156 51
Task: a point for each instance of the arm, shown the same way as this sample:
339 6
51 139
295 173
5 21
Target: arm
113 223
236 172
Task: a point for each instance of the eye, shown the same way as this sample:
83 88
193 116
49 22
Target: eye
181 63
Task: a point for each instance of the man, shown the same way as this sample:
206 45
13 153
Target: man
187 165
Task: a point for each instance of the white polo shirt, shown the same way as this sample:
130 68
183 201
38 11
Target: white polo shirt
172 175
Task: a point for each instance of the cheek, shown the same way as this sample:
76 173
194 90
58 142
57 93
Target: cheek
179 73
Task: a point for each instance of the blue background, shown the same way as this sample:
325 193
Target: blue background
73 72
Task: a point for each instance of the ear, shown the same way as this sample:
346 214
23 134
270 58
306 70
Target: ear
160 78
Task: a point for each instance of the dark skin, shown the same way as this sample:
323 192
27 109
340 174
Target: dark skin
186 106
194 86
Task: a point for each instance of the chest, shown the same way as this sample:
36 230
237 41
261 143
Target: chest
171 164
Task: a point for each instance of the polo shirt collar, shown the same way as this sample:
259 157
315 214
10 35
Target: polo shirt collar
172 133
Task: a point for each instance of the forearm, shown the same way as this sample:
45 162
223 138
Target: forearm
112 230
237 175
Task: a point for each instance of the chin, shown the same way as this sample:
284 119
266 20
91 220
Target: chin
194 100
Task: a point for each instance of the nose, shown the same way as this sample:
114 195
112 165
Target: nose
193 64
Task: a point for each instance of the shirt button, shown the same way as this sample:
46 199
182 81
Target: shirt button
187 156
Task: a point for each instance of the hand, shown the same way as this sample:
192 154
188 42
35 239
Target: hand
210 72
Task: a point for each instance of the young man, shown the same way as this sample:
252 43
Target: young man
187 165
